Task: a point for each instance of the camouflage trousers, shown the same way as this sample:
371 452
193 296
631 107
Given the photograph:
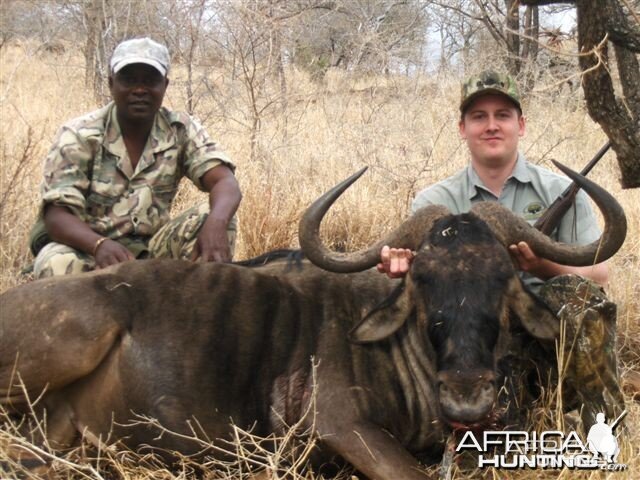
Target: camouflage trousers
588 344
583 359
176 239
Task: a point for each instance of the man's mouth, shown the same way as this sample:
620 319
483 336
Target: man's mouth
139 103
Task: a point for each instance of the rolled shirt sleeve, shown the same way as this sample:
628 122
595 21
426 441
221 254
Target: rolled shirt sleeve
202 154
66 172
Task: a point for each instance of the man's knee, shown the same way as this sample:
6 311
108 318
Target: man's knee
589 342
58 259
570 295
583 307
177 238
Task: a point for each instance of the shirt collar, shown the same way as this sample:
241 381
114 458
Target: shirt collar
112 140
161 137
520 173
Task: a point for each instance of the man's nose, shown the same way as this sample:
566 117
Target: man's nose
139 88
492 124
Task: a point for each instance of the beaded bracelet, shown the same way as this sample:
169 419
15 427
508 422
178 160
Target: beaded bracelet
97 245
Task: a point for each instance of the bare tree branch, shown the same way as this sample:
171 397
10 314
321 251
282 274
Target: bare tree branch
541 3
604 107
619 117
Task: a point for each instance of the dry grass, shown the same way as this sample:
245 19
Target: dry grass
403 129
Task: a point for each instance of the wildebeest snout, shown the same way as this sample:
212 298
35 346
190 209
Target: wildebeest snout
466 397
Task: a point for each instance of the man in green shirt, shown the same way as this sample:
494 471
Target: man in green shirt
492 123
111 176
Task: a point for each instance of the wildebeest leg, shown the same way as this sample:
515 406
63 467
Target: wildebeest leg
56 426
45 344
61 431
374 452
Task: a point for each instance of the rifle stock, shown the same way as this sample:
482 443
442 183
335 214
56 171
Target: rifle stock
561 205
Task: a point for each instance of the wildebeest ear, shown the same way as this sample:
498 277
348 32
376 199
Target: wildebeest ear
536 317
384 319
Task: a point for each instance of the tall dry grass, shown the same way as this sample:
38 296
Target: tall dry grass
404 129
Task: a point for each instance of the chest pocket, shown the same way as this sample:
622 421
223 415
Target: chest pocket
165 172
108 183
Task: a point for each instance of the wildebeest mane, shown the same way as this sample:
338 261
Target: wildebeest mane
293 258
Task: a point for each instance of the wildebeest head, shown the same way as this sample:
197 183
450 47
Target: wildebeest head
462 287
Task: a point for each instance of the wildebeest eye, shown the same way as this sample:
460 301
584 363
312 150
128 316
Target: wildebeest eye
437 319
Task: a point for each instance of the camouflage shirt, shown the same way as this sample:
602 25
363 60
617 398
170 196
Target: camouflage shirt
89 172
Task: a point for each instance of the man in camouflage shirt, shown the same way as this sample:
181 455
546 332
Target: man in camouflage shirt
492 123
111 176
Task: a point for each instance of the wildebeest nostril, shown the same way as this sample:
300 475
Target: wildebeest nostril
466 397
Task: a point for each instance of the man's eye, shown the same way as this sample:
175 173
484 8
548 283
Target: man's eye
146 81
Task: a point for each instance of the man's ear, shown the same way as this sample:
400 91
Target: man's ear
522 123
385 319
110 81
166 82
461 129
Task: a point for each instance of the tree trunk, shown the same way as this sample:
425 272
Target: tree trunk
94 53
603 105
512 36
530 46
619 118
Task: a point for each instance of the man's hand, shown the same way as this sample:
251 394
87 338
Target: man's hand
395 262
111 252
64 227
212 244
528 261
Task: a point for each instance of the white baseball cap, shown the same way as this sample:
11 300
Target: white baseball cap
140 50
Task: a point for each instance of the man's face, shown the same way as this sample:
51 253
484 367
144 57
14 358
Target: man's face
492 127
138 90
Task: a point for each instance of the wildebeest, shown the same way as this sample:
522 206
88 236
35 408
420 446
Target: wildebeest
398 362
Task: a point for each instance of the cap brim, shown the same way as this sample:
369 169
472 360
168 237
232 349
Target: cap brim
129 61
487 91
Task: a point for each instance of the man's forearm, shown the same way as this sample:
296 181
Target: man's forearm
64 227
224 199
599 273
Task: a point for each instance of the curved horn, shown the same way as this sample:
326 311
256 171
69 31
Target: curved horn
407 235
511 229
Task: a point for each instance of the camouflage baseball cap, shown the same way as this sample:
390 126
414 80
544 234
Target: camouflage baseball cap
140 50
489 82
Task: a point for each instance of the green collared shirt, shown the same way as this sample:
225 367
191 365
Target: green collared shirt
527 192
89 172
